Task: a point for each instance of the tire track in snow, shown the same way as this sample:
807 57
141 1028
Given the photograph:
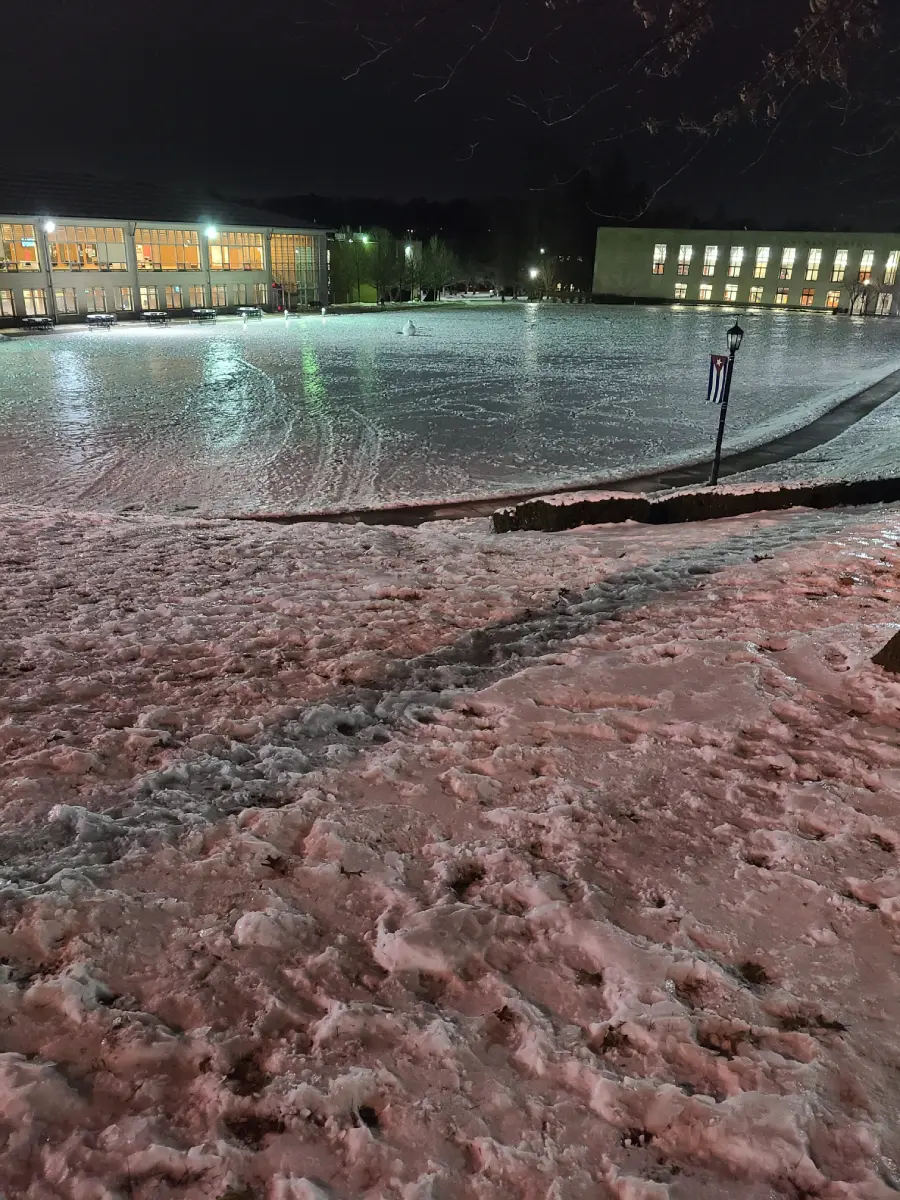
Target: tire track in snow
163 805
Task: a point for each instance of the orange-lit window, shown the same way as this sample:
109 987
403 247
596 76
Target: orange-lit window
236 250
167 249
705 291
660 250
808 299
781 297
865 266
833 300
18 248
87 248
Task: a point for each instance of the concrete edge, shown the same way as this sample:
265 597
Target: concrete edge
707 504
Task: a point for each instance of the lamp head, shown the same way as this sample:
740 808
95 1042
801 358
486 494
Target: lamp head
211 231
49 226
735 336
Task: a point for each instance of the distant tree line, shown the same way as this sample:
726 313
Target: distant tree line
376 265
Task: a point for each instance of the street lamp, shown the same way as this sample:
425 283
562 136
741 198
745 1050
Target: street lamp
49 226
211 232
734 337
533 273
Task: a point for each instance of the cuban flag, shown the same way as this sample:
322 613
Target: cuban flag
718 371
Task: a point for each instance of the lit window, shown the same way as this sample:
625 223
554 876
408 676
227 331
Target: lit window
680 291
833 300
813 262
788 258
236 251
149 299
735 261
762 262
883 304
781 297
261 293
808 298
35 301
87 248
124 298
659 258
66 304
890 268
7 307
18 248
218 296
731 291
295 264
756 295
840 266
173 297
96 299
706 291
710 258
167 249
685 254
197 296
240 293
865 266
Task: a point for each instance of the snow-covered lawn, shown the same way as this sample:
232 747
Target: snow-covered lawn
430 865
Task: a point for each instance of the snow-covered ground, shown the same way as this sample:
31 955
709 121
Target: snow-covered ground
342 411
429 865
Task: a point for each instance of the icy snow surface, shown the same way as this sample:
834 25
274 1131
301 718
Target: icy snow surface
342 411
427 865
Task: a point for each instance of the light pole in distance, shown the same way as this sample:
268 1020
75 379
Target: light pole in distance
211 232
47 228
735 336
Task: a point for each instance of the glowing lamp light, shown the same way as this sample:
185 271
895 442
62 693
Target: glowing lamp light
211 231
49 226
409 251
534 272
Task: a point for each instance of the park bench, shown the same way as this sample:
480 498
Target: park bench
155 318
203 314
250 312
44 324
101 320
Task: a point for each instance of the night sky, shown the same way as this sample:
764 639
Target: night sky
268 99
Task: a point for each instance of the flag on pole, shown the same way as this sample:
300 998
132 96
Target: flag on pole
718 371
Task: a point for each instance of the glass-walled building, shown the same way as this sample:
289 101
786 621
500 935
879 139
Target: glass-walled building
66 267
840 272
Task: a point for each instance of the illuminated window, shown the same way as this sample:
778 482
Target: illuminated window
173 297
781 297
96 299
890 268
124 298
149 299
295 264
240 293
18 248
167 249
87 248
731 291
710 258
659 258
66 304
883 304
685 254
706 291
197 296
261 291
7 306
762 262
219 299
808 299
236 251
35 301
865 266
833 300
680 291
788 258
840 266
813 262
756 295
735 261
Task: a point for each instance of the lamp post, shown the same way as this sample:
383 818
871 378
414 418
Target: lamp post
735 336
48 227
211 232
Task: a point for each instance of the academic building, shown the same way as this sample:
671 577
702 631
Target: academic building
70 248
842 272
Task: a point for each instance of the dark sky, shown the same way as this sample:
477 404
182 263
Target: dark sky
255 99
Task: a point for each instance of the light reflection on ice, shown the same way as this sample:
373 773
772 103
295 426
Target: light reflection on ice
341 411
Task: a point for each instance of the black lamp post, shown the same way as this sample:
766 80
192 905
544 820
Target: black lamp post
735 336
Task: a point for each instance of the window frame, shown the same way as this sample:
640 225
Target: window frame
833 295
866 266
685 258
736 261
754 298
808 298
680 291
710 260
813 264
761 262
839 266
659 259
782 297
731 293
788 262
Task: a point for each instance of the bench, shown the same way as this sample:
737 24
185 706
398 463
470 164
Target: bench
203 314
155 318
100 320
250 312
44 324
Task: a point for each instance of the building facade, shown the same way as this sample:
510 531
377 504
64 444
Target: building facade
66 267
841 272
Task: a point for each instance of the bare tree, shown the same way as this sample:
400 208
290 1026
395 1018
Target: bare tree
858 294
440 267
547 274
